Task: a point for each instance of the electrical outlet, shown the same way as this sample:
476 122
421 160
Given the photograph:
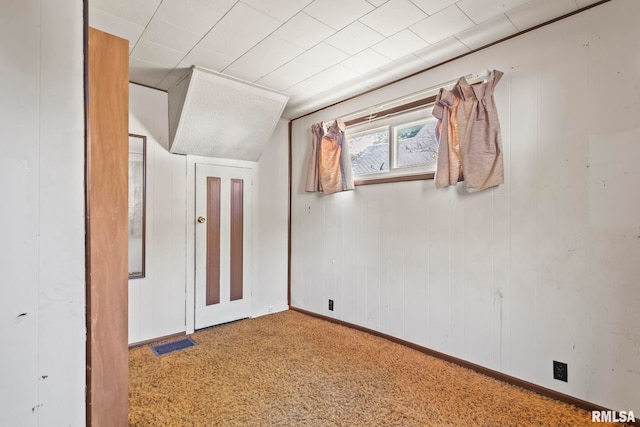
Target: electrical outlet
330 305
560 371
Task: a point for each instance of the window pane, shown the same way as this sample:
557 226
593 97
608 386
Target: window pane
369 151
416 143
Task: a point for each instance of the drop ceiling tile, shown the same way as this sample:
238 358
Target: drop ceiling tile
327 79
192 15
145 73
373 80
167 82
584 3
483 10
181 70
239 30
304 31
354 38
290 74
487 32
167 34
157 54
366 61
536 12
443 24
433 6
442 51
266 56
338 13
282 10
400 44
208 59
393 16
377 3
322 56
115 25
244 75
223 5
405 66
139 11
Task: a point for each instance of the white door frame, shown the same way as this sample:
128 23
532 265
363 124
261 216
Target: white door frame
190 295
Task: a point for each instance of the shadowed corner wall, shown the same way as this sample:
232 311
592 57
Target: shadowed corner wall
541 268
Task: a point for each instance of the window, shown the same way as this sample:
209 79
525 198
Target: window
403 145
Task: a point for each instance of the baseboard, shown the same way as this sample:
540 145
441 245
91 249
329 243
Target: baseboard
272 309
552 394
157 340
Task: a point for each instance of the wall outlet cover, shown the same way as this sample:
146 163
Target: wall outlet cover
560 371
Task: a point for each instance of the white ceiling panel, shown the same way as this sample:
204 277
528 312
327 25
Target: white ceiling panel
354 38
483 10
323 56
282 10
443 24
174 76
338 13
146 73
239 30
112 24
192 15
483 34
537 12
433 6
266 56
167 34
323 81
318 50
304 31
366 61
405 66
167 82
288 75
400 44
377 3
244 75
208 59
138 12
157 54
583 3
442 51
393 16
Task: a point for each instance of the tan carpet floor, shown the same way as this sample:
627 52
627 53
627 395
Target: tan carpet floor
290 369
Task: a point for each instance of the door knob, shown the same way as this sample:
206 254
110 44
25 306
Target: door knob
201 219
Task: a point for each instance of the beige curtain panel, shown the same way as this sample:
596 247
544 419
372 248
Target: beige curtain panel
329 168
468 133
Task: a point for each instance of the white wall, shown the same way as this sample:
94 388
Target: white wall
42 286
270 288
162 303
157 301
542 268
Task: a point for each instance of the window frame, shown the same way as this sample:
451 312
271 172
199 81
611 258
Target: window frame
416 112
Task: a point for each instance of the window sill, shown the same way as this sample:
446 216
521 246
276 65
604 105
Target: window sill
417 177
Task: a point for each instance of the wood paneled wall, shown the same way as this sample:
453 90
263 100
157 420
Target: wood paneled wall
107 181
542 268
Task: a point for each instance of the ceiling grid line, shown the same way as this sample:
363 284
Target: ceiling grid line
312 50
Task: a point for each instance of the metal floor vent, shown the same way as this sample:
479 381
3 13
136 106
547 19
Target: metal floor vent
170 347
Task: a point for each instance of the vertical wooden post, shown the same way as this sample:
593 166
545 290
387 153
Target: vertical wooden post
107 243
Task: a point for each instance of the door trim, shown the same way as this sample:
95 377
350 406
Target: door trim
190 282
